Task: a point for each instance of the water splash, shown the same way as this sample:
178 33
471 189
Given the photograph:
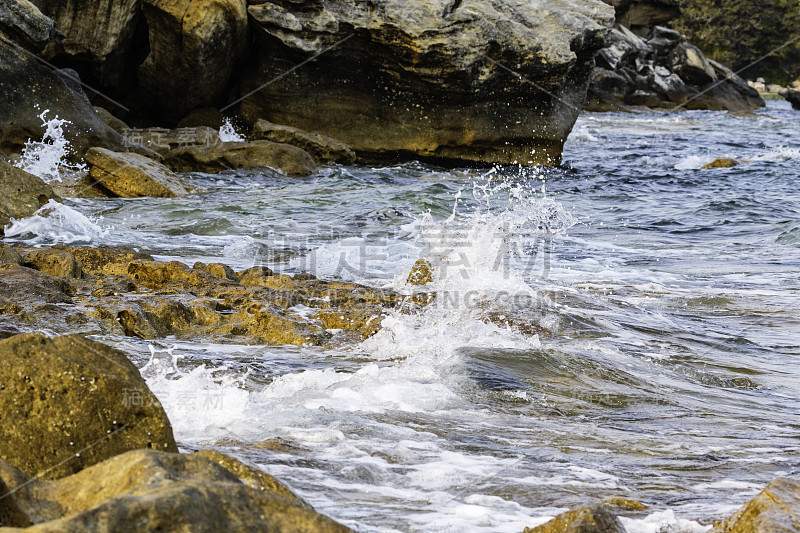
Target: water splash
228 134
47 158
55 223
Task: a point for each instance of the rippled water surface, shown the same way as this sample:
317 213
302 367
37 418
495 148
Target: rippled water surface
625 325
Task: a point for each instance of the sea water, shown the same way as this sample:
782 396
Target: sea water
623 325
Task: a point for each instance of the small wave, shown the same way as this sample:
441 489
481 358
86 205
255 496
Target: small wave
228 134
662 522
55 223
47 158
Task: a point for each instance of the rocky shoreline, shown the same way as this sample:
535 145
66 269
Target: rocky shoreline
86 445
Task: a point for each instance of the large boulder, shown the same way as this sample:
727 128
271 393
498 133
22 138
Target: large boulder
641 15
132 175
234 155
21 194
195 46
593 519
99 34
322 148
69 403
22 21
147 490
775 510
29 87
491 81
793 96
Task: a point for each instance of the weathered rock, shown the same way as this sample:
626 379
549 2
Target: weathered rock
99 33
194 48
593 519
663 71
28 87
8 255
234 155
162 140
438 80
52 261
25 24
421 273
69 402
21 194
124 292
252 477
641 15
147 490
132 175
78 185
793 96
775 510
116 124
722 162
210 117
322 148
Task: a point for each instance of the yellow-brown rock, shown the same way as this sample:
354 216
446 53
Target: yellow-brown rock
723 162
131 175
147 490
234 155
593 519
421 273
775 510
69 403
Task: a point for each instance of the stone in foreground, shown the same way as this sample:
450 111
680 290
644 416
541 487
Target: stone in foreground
69 403
490 81
322 148
593 519
775 510
132 175
235 155
147 490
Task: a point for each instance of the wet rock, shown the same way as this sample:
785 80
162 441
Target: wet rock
28 86
722 162
52 261
69 403
132 175
421 273
116 124
21 194
147 490
775 510
194 49
209 117
99 33
124 292
252 477
438 80
322 148
78 185
8 255
162 140
793 96
26 25
691 65
593 519
234 155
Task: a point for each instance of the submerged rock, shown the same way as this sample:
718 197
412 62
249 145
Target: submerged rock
474 81
132 175
235 155
593 519
775 510
147 490
723 162
194 48
69 402
21 194
322 148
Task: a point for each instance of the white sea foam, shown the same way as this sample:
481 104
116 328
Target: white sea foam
228 134
47 158
662 522
55 223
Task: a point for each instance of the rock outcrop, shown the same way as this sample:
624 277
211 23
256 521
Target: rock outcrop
662 70
322 148
147 490
21 194
123 292
594 519
775 510
641 15
132 175
474 81
234 155
29 87
194 48
793 96
69 403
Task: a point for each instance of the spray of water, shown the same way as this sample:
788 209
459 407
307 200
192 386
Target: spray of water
47 158
227 134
